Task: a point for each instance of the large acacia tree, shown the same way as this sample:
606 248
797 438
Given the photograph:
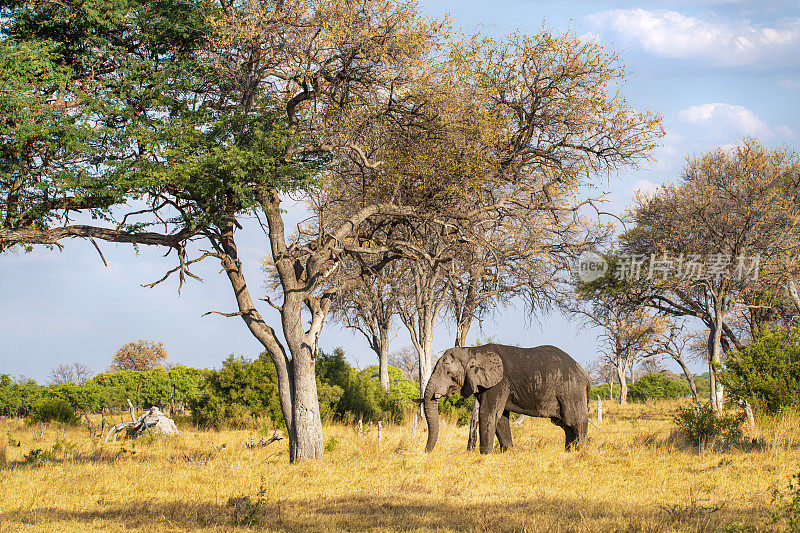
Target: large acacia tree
204 113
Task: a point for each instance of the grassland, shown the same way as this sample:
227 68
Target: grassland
636 474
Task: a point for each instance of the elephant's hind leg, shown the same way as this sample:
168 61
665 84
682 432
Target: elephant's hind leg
504 432
572 439
576 428
571 433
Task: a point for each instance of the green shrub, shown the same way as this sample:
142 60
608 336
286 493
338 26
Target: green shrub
601 390
346 394
18 399
703 387
54 410
457 408
79 398
238 394
702 425
767 373
657 387
147 388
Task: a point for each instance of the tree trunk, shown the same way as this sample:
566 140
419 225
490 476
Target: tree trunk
791 288
383 359
425 366
463 327
689 376
623 385
261 331
172 400
715 360
599 410
420 329
308 442
420 320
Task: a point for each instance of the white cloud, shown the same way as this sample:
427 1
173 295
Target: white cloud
726 120
645 188
672 34
792 85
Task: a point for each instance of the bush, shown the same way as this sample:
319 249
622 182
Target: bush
657 387
703 386
18 399
767 373
54 410
77 397
238 394
346 394
457 408
602 391
703 426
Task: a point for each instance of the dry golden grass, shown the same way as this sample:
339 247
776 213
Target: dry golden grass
634 475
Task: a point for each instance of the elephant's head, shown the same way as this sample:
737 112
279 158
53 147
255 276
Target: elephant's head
465 370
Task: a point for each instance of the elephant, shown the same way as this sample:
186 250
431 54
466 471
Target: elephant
543 382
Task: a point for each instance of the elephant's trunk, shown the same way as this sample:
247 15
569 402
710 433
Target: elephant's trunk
431 408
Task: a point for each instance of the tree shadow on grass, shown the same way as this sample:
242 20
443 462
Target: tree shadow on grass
363 512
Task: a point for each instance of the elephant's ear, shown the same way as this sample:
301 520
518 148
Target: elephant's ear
483 369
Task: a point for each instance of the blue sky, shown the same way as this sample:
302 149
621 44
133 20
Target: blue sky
716 70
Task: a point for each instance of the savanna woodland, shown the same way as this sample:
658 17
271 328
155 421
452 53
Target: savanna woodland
441 175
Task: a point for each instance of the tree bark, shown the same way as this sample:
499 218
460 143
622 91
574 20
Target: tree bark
623 385
309 442
383 359
715 360
791 288
259 329
688 374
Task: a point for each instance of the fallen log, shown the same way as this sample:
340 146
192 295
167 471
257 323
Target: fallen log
253 444
152 419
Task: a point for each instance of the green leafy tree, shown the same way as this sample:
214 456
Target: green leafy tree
188 382
238 394
360 394
658 387
18 399
767 372
81 399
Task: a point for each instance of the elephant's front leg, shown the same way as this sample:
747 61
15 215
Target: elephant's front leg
504 432
493 403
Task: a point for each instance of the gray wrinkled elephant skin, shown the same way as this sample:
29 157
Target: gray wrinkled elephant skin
542 382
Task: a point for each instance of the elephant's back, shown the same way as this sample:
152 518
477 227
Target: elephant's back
546 360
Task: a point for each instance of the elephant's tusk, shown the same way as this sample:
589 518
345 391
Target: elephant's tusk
417 400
